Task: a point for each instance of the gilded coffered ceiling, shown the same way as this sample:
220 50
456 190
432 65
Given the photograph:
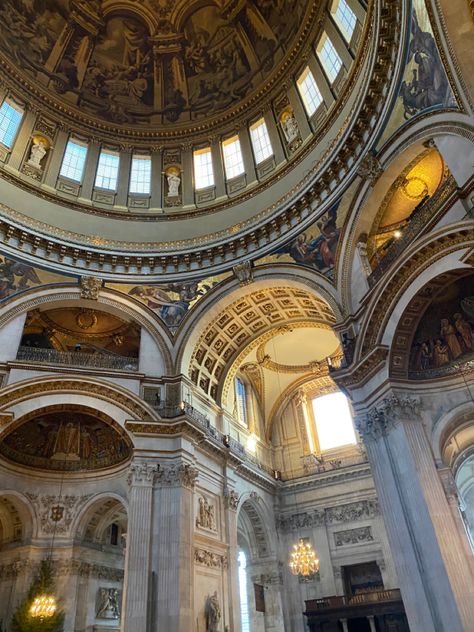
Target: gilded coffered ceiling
154 63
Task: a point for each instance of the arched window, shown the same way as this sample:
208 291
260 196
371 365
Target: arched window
244 602
333 421
241 397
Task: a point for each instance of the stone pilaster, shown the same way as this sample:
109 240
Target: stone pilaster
173 547
434 574
137 584
231 504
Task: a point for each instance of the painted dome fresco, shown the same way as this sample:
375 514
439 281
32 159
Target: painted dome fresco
153 63
66 440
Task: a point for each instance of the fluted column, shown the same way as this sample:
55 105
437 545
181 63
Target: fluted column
137 584
231 503
433 570
173 541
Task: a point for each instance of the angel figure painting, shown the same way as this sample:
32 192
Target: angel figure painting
16 276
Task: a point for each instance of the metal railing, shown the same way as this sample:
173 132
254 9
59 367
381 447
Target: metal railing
417 221
335 602
77 359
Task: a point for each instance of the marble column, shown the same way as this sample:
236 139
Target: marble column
432 567
172 547
231 503
137 582
371 620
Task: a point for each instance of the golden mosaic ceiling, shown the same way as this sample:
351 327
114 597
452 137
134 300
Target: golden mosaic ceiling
154 63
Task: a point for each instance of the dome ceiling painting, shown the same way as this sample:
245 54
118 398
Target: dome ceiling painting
154 62
66 440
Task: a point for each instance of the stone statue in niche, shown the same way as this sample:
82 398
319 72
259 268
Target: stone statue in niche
37 153
108 604
206 516
290 127
174 182
213 613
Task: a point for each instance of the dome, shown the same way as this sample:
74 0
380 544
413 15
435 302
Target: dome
167 138
154 67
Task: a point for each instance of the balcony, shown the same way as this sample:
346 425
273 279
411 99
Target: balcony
81 359
420 219
370 611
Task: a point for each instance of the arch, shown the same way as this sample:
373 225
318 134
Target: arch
28 396
241 316
23 526
440 252
137 10
391 159
412 316
97 515
255 521
109 300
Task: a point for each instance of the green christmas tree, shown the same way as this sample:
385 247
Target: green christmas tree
43 584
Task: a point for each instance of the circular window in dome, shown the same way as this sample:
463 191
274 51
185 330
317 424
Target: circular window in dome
66 441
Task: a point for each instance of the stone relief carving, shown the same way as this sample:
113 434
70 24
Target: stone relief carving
244 272
351 512
383 417
56 513
210 559
206 518
108 603
37 153
90 287
231 499
353 536
63 567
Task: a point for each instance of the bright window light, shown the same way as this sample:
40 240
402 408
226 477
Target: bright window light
203 172
140 175
329 58
241 394
251 443
107 170
10 119
333 421
309 91
262 146
345 18
244 601
233 161
74 160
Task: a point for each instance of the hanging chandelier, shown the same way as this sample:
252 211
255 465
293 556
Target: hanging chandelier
303 560
43 606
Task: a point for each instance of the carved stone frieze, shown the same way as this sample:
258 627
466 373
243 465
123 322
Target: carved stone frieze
210 559
353 536
63 567
56 513
350 512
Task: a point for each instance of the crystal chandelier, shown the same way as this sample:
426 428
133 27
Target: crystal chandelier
43 606
303 560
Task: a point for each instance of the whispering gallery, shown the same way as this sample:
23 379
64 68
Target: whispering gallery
236 315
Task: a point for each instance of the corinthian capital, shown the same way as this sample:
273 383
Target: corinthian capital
142 473
177 474
392 409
